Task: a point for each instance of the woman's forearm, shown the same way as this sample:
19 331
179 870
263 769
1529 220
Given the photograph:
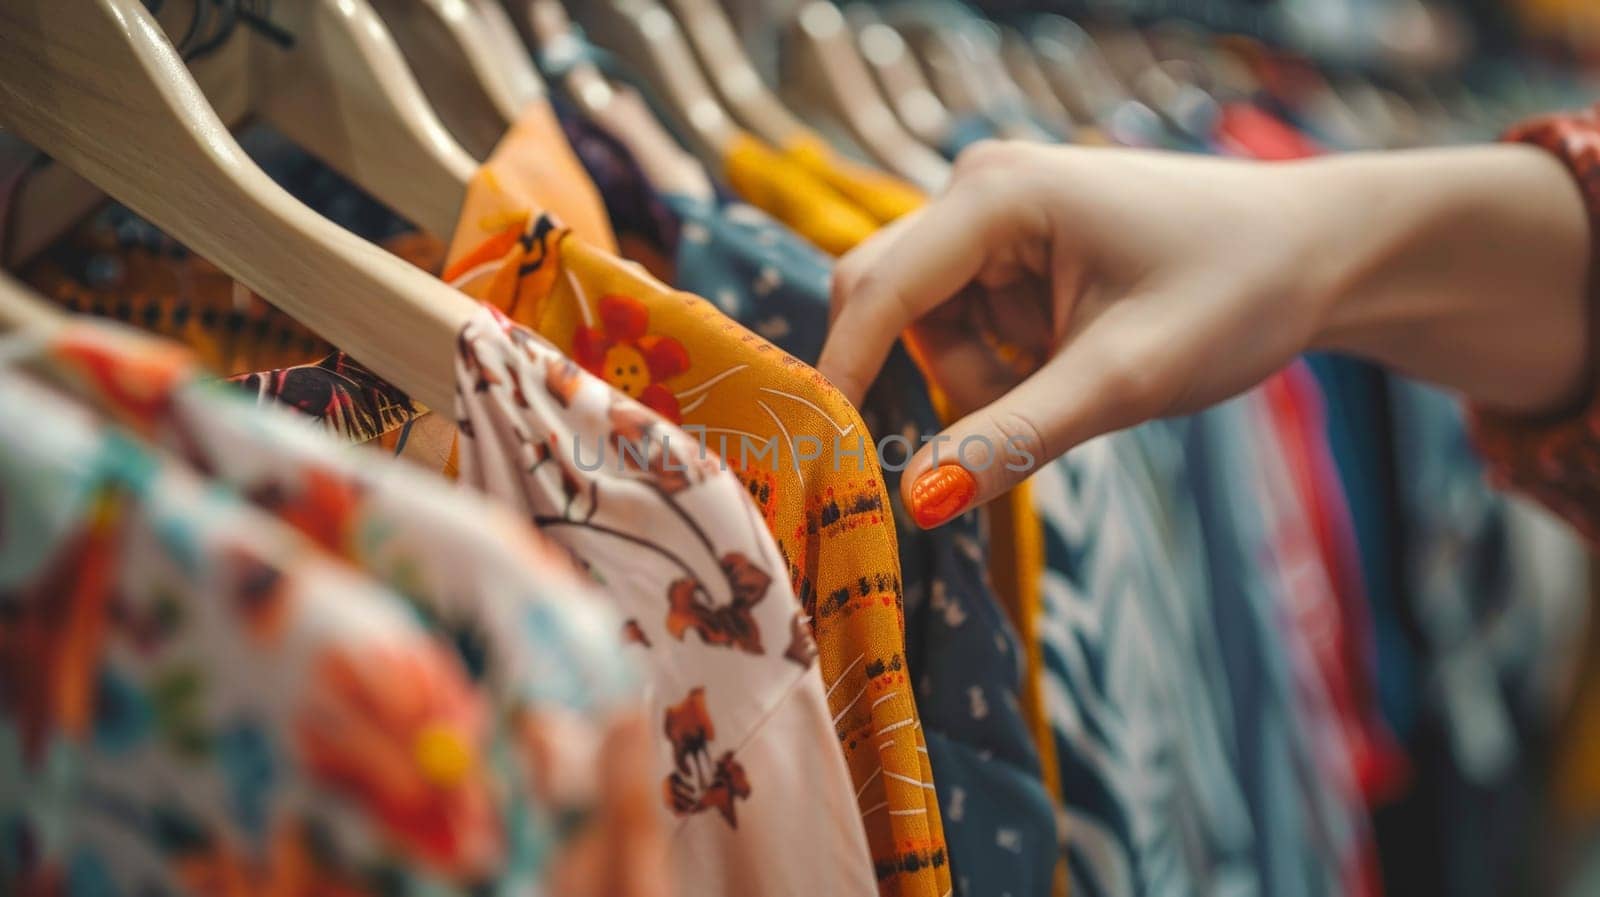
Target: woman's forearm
1468 267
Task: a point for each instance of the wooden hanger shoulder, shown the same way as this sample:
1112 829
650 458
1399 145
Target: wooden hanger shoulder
619 110
898 74
343 91
728 67
462 69
843 86
646 34
97 85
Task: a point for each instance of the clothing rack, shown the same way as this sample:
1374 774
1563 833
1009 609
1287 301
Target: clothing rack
414 479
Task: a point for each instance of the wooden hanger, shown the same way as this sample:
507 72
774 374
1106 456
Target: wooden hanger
460 66
1075 67
836 79
50 199
645 33
520 74
965 71
899 75
342 91
1019 59
345 94
728 67
617 109
954 81
97 85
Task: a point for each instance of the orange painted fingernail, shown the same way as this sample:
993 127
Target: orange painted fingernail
941 493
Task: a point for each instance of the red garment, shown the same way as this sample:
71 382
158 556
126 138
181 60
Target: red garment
1345 651
1247 130
1557 460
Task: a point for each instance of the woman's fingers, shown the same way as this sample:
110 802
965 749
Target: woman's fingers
1109 376
907 270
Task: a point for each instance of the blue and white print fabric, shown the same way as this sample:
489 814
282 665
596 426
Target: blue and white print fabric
1133 682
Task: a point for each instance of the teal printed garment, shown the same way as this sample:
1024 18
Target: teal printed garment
963 652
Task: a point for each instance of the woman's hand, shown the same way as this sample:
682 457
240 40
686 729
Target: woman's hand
1058 293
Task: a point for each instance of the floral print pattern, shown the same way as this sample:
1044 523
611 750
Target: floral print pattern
623 354
829 511
697 783
962 654
680 550
441 747
131 734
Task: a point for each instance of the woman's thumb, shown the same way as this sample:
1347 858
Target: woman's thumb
974 461
983 455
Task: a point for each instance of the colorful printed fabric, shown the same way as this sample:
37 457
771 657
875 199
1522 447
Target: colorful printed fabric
114 265
795 196
1310 626
1343 643
198 700
962 651
776 420
747 765
1556 461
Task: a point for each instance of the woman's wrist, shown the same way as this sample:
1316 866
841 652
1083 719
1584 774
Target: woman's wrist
1467 267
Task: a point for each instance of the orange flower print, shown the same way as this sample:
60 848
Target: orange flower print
396 729
136 377
697 783
563 380
730 624
621 353
802 647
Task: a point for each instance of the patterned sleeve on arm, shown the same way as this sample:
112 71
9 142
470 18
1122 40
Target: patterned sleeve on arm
1557 460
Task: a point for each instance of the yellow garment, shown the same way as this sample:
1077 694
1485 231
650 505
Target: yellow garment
880 195
1577 755
774 183
829 514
